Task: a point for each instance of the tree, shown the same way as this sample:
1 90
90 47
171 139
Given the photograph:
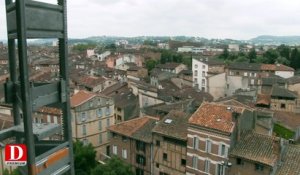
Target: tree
284 51
14 172
252 55
225 54
113 166
295 59
150 64
166 56
271 55
84 158
83 47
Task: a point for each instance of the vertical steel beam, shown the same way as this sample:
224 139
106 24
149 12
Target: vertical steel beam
25 85
64 74
13 74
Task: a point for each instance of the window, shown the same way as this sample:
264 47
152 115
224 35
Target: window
196 66
203 73
222 150
139 171
183 162
107 111
165 156
140 146
259 167
124 153
195 162
124 139
203 66
282 106
100 125
195 79
100 138
203 82
84 130
239 161
91 104
48 119
140 160
208 146
99 112
196 143
157 165
115 149
55 119
207 166
83 116
157 143
107 122
195 73
220 169
85 142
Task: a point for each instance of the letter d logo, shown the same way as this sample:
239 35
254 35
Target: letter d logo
16 154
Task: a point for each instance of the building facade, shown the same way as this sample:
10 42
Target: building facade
92 114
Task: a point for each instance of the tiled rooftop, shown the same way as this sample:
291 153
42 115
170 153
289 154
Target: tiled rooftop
50 110
258 148
81 97
290 161
173 125
139 128
215 116
276 67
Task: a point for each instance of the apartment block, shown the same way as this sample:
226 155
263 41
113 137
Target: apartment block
92 114
132 142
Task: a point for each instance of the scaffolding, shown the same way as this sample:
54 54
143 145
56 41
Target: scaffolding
27 19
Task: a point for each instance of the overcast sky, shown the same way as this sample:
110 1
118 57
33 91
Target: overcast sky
237 19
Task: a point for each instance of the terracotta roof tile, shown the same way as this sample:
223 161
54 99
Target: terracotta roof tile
215 116
132 128
290 161
263 99
81 97
173 125
276 67
50 110
258 148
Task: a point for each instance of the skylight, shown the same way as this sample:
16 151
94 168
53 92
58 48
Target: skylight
168 121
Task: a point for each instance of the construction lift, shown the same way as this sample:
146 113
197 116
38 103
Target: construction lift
28 19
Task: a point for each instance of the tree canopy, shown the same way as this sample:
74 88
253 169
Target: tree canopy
84 158
113 166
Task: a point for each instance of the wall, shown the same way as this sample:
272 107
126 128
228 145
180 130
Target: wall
215 157
92 122
175 153
234 83
289 105
284 74
217 85
130 145
248 168
198 76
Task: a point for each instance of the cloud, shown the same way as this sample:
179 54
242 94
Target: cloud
205 18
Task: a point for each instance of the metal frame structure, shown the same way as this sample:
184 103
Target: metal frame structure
27 19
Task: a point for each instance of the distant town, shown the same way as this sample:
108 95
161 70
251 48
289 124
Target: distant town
175 105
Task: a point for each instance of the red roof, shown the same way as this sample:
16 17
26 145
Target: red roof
276 67
215 116
129 127
81 97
